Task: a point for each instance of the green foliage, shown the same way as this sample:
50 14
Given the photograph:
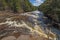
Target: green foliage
50 7
16 5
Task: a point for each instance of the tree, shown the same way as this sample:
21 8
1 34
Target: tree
51 7
17 5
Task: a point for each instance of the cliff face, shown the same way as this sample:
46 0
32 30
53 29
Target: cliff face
16 5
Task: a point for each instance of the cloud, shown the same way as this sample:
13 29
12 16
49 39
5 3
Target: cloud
37 2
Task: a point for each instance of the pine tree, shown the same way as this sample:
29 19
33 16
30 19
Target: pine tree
16 5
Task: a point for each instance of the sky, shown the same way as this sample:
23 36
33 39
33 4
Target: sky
36 2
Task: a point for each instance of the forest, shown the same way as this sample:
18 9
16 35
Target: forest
16 5
51 9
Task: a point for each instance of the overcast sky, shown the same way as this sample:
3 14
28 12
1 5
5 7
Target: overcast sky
36 2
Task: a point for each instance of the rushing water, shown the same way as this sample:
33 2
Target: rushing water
43 22
36 18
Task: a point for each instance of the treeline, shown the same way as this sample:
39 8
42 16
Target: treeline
16 5
51 9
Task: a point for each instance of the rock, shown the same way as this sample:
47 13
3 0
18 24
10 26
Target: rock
24 37
9 38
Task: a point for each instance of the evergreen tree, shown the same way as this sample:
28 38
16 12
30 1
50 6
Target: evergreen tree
16 5
51 7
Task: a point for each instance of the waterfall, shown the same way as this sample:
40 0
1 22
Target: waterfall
37 19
